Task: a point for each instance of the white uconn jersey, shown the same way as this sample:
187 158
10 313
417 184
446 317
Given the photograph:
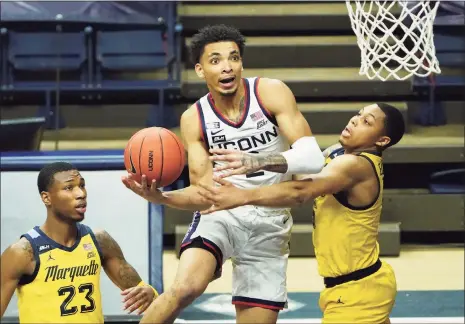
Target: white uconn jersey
256 132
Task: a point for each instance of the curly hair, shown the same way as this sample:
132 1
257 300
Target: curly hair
214 34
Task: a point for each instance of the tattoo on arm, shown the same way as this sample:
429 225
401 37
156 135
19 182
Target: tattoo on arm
26 246
275 163
114 263
268 162
27 251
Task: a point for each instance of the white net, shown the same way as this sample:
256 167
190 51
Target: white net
395 37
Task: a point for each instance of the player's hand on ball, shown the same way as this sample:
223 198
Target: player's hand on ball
150 193
226 196
236 162
138 298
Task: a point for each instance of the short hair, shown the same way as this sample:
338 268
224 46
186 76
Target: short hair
394 126
46 174
214 34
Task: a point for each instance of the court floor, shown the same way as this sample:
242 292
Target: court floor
430 289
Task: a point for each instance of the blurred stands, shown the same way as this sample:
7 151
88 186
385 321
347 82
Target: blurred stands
309 46
84 53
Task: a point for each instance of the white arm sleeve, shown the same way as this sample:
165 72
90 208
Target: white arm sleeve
305 156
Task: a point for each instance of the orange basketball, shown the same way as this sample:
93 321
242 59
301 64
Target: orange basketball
156 152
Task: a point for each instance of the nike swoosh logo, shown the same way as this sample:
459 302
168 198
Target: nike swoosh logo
217 132
133 168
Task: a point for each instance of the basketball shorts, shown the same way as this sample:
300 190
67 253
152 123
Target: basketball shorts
258 247
367 300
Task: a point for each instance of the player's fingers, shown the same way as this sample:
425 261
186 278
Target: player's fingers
205 201
125 182
138 303
132 183
221 167
206 187
142 309
126 291
132 179
221 181
214 208
134 186
132 300
233 157
153 186
225 173
222 151
208 197
208 211
232 172
134 291
226 166
143 182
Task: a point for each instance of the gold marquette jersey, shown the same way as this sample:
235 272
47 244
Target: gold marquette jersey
344 236
65 285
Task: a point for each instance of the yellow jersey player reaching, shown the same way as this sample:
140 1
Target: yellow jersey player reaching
348 194
55 268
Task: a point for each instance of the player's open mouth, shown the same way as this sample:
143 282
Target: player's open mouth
81 208
346 132
227 82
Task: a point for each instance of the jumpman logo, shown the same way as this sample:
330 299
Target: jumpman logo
50 257
339 301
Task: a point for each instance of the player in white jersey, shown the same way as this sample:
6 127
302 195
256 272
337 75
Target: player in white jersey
253 115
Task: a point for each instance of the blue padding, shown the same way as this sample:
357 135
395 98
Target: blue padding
156 213
81 159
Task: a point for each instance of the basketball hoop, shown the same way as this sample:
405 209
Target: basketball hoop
395 45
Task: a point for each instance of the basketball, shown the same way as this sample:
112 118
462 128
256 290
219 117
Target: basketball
156 152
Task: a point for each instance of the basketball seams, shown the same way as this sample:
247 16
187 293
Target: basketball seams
162 157
140 154
181 166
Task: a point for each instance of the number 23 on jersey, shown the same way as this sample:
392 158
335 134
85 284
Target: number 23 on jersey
69 292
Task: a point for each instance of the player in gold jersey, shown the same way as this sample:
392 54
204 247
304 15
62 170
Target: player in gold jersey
347 193
55 268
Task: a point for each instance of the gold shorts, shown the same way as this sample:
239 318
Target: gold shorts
368 300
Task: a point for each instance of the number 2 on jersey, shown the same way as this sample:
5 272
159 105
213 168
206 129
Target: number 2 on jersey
70 292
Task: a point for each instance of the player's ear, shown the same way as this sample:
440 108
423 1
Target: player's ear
383 141
45 198
199 71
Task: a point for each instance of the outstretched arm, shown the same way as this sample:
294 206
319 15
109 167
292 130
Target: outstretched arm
138 295
200 169
305 155
16 261
341 174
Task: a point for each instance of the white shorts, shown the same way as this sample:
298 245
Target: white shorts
258 247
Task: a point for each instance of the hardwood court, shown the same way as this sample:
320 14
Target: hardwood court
417 268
